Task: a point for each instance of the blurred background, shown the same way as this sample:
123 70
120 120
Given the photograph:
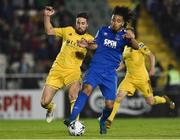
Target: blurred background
27 53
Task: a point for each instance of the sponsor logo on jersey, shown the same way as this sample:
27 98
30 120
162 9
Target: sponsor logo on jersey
71 43
110 43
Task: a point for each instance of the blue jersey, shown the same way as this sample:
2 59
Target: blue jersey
109 51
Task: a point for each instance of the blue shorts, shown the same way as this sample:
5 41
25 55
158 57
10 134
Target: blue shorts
107 82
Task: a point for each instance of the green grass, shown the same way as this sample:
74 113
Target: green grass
156 128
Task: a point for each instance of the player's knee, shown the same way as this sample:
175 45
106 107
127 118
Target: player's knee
87 89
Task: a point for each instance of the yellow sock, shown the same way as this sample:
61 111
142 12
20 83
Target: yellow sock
72 105
159 100
114 111
49 106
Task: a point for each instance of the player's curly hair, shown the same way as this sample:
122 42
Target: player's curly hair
125 12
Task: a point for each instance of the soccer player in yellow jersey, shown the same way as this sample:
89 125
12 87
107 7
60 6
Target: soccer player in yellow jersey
65 70
137 77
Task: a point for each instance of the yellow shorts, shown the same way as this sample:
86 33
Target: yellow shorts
130 85
59 77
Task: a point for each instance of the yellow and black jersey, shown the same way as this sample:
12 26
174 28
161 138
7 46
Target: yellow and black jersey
71 55
135 61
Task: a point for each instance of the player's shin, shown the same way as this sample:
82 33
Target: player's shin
106 113
114 111
104 116
72 105
79 105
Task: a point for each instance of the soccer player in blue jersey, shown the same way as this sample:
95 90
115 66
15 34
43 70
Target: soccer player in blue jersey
109 44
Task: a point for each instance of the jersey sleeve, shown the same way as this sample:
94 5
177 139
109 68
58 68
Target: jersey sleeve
144 49
90 37
59 32
97 38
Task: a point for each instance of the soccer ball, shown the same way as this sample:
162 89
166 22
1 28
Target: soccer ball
76 128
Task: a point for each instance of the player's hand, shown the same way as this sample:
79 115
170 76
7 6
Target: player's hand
151 71
129 35
83 43
90 42
49 11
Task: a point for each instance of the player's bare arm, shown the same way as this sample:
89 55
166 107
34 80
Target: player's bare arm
152 63
48 12
133 42
89 44
121 67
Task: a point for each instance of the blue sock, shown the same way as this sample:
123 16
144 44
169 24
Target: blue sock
106 113
79 105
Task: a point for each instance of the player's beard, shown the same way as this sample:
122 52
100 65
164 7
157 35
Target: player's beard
80 31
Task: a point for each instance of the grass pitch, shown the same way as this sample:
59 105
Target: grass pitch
139 128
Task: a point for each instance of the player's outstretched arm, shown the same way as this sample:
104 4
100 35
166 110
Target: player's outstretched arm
48 12
89 44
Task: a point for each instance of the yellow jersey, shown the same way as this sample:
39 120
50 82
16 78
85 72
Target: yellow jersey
71 56
135 62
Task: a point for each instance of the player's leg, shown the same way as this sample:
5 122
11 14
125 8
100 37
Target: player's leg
47 96
81 100
126 87
80 103
72 80
105 114
73 90
154 100
121 94
53 83
146 89
90 82
108 88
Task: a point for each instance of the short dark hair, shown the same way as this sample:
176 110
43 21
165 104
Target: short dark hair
83 15
125 12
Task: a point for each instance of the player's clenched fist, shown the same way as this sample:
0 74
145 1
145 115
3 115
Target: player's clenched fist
48 11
